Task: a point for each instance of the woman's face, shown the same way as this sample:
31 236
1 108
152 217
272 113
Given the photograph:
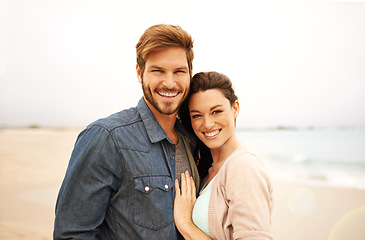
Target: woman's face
213 118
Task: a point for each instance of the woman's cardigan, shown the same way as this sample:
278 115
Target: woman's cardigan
241 200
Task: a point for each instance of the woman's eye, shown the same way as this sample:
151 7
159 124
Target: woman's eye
217 111
195 116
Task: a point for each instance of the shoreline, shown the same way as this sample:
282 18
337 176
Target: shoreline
33 163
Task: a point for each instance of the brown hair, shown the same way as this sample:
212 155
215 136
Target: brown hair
201 82
158 37
213 80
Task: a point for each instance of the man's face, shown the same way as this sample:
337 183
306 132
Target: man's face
166 80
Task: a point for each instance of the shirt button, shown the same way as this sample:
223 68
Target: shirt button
172 157
166 186
147 188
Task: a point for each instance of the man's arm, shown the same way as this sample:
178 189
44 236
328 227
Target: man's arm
90 179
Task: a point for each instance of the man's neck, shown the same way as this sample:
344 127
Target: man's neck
167 122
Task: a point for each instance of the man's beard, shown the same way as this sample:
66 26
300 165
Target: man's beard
166 109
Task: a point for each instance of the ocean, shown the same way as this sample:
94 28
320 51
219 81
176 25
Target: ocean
320 157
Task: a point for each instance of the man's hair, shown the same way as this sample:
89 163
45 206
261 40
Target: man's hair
161 36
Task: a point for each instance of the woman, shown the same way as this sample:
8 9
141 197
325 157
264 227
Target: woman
235 200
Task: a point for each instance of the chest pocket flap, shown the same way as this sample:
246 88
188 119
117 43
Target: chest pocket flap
150 183
153 202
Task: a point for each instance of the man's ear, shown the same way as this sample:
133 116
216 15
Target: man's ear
139 76
236 108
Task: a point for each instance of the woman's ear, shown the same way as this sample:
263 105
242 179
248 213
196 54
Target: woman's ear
139 76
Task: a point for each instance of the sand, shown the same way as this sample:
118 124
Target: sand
33 163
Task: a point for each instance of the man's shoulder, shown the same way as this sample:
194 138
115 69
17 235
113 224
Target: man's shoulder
120 119
126 128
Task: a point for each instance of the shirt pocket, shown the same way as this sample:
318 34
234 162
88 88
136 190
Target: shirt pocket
153 202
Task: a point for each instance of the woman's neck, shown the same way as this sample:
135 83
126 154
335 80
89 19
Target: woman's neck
220 155
223 152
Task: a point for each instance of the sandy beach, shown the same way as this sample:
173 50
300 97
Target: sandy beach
33 163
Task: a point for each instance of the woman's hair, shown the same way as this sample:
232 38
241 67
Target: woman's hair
161 36
204 81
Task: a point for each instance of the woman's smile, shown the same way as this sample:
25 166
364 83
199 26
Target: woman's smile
213 117
211 134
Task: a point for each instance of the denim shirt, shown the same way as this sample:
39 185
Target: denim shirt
120 179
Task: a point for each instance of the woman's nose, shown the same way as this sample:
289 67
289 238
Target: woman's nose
208 122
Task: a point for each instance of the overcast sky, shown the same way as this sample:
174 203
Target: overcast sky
66 63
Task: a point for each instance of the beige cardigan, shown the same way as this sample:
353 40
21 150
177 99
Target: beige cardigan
241 200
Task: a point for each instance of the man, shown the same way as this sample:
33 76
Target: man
120 179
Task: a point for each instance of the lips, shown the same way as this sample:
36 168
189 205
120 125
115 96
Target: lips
211 134
168 94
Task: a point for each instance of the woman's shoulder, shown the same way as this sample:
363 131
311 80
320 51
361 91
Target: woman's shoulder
243 164
242 156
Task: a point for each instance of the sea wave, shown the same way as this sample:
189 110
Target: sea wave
326 158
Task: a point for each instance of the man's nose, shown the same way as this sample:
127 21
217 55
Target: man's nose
169 81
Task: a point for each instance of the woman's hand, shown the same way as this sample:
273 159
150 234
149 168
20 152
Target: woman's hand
185 199
183 209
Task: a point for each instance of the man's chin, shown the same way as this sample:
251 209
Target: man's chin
168 110
163 108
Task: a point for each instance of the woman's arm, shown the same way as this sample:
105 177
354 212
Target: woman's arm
249 194
183 209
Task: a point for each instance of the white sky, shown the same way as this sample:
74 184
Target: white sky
293 63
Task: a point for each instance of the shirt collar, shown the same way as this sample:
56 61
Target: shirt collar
154 131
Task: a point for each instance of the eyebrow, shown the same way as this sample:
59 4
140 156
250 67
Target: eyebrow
154 67
178 68
182 68
211 109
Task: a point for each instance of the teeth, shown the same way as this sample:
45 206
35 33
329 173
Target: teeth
168 94
211 134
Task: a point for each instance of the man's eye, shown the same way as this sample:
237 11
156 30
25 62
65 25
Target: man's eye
156 70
